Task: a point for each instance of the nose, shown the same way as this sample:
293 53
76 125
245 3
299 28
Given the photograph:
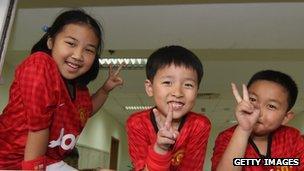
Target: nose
78 54
177 91
257 107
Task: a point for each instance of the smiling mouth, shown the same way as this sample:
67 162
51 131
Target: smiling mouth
73 66
176 105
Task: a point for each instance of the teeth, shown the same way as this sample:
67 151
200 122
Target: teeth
177 105
73 65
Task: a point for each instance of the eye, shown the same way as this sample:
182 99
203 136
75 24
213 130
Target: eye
272 106
90 51
72 44
252 99
167 83
188 85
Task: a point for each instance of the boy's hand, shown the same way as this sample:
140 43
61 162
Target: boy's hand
113 80
166 135
246 113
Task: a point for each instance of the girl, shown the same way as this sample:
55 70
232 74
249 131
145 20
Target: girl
49 101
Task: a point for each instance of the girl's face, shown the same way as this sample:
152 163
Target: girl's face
74 49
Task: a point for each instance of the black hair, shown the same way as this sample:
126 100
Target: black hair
176 55
280 78
75 16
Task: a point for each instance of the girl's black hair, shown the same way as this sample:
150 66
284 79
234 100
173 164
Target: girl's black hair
73 17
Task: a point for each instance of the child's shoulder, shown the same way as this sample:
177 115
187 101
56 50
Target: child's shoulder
139 116
38 58
287 131
139 120
198 119
282 130
227 132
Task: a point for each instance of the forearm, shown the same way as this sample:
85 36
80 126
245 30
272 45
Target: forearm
99 98
36 144
235 149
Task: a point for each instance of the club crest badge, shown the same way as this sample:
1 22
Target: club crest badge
284 168
178 157
83 116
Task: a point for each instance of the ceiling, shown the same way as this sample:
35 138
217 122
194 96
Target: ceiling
232 39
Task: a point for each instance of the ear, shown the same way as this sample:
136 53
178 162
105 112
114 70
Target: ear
49 43
149 88
289 115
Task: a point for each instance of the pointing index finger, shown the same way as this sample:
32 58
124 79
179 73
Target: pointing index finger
119 68
236 93
245 93
169 117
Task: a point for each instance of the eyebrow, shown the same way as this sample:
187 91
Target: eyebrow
78 41
187 79
275 101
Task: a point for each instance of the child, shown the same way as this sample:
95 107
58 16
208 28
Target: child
49 101
170 136
261 132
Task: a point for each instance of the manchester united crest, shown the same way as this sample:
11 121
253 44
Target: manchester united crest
178 157
284 168
82 116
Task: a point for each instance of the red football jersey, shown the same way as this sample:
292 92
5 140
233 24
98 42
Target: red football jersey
188 152
39 99
286 142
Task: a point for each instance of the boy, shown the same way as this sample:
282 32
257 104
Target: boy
261 132
170 136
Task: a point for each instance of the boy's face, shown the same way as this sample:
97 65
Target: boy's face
272 99
176 85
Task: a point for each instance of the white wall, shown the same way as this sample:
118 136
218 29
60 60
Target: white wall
98 132
8 72
4 7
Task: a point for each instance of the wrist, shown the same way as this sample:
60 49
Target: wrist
38 163
242 131
105 90
157 161
159 150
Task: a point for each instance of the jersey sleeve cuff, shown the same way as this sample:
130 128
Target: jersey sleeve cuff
157 161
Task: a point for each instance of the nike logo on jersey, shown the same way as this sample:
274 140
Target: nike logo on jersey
63 139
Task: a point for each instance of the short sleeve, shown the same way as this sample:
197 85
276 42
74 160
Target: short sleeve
37 84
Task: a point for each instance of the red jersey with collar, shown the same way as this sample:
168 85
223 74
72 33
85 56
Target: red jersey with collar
188 152
286 142
39 99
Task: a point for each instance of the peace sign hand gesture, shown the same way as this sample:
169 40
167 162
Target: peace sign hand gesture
114 79
247 114
166 135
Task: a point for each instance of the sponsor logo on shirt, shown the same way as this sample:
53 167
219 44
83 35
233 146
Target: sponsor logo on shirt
66 142
178 157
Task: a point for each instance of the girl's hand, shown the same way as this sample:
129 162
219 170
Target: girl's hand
246 113
113 80
166 135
